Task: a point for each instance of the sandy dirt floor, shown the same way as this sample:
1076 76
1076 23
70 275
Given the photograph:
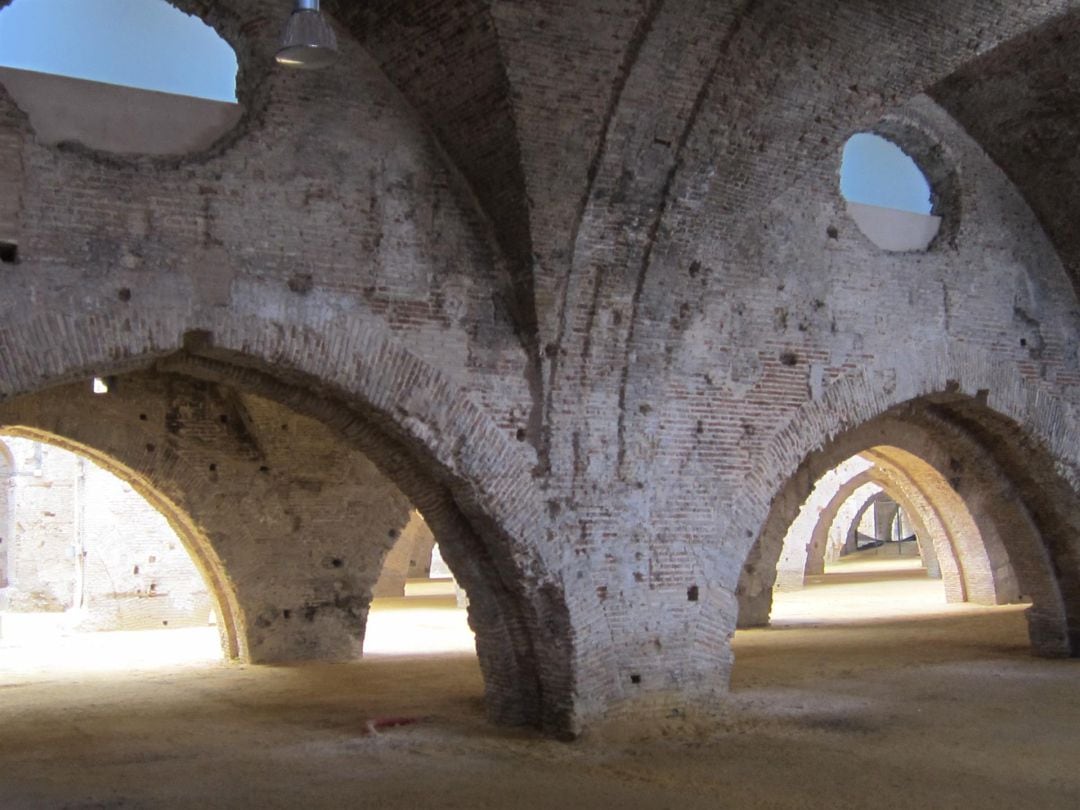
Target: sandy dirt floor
838 706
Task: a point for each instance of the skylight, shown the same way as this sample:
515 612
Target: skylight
875 171
147 44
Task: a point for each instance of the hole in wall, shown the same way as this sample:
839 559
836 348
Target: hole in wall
143 44
9 252
888 195
161 83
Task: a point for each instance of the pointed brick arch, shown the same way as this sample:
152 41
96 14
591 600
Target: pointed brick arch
472 483
1010 441
191 535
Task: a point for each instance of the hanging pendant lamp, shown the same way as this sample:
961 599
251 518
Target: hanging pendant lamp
309 42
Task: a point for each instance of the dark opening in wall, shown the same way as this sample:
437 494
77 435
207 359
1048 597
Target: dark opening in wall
9 252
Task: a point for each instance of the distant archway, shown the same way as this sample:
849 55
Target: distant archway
194 542
1006 512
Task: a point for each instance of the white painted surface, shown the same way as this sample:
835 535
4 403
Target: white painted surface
894 230
117 119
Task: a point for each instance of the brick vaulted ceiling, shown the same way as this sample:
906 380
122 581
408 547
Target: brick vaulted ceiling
593 133
523 98
1021 102
445 58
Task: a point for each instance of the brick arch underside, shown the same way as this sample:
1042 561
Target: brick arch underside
865 507
817 549
928 554
195 541
942 520
1005 447
472 484
914 450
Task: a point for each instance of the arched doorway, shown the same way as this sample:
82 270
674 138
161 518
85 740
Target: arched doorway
960 474
227 442
92 566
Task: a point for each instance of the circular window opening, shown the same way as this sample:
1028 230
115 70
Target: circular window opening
123 76
887 194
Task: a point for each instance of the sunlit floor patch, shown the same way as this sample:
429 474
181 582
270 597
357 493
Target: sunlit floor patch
866 590
32 644
869 588
35 644
418 625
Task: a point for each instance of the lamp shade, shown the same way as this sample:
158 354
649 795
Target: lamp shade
309 42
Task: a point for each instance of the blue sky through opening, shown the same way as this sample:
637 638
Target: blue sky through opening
877 172
153 45
148 44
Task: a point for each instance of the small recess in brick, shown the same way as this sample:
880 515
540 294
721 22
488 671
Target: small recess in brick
195 341
142 417
264 469
286 613
301 283
150 447
832 232
789 359
337 562
392 534
692 593
9 252
213 468
124 294
521 434
635 679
